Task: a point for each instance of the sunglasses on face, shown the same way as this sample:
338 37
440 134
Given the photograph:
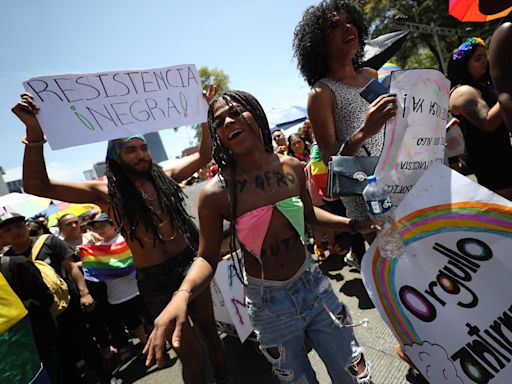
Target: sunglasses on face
233 112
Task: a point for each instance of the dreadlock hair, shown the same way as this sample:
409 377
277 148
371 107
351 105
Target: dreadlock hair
225 159
126 205
309 38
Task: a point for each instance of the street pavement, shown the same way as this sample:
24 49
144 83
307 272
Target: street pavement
246 365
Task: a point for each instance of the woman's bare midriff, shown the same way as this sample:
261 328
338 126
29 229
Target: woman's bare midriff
284 252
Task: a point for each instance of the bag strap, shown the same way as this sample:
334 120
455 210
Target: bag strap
4 267
368 153
38 245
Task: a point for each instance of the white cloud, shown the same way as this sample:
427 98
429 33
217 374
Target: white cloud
433 362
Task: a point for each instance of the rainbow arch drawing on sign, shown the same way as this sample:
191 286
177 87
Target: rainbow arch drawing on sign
464 216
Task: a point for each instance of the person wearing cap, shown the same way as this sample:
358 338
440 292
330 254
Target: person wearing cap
122 292
100 325
71 336
26 281
145 203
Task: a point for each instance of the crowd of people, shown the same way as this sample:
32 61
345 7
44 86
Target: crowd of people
270 187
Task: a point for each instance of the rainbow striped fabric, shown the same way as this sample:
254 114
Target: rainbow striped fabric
106 262
319 170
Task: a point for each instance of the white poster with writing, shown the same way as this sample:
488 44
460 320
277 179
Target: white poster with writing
86 108
232 299
415 138
447 299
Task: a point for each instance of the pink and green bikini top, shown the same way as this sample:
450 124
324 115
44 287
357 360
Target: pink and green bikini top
252 226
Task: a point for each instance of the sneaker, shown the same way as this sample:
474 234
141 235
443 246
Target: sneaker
351 261
337 250
321 253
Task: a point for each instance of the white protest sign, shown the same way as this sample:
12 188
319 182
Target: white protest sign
447 299
86 108
415 138
232 298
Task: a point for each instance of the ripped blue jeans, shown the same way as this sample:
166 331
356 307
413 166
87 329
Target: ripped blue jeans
287 314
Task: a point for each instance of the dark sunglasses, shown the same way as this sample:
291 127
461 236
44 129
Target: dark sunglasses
232 111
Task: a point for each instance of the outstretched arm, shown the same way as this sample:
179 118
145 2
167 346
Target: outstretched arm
172 318
186 167
35 176
501 65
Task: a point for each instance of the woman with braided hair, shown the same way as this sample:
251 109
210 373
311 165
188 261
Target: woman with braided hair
263 195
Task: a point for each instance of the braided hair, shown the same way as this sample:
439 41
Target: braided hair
309 38
126 205
225 159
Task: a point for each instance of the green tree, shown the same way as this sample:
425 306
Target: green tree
211 76
419 50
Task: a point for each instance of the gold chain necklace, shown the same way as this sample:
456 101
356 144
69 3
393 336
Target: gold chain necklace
149 202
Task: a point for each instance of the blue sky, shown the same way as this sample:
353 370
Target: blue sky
250 41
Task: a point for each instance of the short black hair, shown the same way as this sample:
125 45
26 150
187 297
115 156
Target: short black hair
308 39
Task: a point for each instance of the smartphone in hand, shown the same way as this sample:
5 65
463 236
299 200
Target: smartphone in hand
373 90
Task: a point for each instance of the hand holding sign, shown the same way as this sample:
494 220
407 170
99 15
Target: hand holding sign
379 112
86 108
26 111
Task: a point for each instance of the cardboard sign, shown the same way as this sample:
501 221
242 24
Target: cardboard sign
415 138
232 298
86 108
447 299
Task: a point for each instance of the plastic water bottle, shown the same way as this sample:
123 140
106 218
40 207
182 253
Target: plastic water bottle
380 207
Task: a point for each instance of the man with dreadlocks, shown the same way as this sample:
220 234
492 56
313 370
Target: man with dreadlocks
264 197
146 204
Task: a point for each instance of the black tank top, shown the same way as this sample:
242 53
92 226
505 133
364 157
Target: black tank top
488 154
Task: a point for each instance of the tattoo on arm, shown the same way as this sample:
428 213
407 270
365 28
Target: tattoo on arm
474 112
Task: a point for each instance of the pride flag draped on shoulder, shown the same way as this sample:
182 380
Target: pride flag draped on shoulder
106 262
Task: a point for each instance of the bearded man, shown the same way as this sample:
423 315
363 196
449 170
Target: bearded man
145 203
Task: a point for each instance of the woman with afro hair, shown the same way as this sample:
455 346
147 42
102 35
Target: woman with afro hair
328 44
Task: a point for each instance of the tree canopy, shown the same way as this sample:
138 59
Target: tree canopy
419 50
211 76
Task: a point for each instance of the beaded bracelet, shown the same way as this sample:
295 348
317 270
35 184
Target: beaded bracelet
33 143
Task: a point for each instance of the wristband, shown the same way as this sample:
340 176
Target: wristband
33 143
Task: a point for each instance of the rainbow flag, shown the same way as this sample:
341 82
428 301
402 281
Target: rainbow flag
19 359
319 170
106 262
